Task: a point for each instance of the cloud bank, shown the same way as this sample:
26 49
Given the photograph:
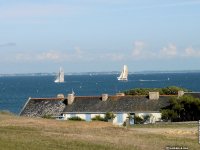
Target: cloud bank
170 51
140 52
7 44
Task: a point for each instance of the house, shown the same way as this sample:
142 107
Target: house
122 106
87 107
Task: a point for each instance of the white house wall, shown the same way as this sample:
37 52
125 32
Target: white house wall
153 116
83 116
66 116
101 115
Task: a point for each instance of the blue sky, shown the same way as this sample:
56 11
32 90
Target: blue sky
99 35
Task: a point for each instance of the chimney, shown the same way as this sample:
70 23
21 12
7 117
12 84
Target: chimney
70 98
104 97
180 93
153 95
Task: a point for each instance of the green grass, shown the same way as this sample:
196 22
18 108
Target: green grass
19 133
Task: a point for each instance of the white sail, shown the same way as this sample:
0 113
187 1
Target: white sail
124 74
60 76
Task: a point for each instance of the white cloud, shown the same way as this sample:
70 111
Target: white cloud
53 55
50 55
190 52
140 52
23 57
78 55
169 51
42 56
78 52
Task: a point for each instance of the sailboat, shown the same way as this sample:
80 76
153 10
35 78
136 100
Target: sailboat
60 76
124 74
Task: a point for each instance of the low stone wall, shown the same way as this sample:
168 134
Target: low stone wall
42 107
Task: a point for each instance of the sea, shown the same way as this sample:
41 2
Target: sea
15 90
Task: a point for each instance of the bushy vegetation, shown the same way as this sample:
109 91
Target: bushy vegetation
109 115
171 90
76 118
47 116
138 120
141 120
98 118
186 108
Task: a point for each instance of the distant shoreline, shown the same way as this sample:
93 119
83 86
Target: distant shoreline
100 73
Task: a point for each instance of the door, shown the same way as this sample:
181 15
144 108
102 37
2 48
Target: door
131 119
120 118
88 117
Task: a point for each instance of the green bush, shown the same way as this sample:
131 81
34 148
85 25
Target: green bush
171 90
47 116
98 118
109 115
76 118
138 120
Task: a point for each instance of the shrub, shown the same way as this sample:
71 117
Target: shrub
109 115
76 118
185 108
124 124
138 120
47 116
171 90
146 118
98 118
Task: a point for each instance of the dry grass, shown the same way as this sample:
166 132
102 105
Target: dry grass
34 133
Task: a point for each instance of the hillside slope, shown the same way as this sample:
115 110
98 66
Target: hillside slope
33 133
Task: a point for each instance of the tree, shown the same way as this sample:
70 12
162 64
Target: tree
109 115
185 108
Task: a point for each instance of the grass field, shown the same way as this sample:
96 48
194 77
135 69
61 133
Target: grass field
18 133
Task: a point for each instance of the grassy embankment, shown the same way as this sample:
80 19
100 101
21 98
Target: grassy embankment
33 133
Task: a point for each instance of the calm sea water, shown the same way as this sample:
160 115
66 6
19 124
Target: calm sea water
14 91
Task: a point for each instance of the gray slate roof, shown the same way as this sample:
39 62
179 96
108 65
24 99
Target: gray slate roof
117 104
38 107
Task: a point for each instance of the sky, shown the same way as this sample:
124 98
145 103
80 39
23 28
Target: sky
99 35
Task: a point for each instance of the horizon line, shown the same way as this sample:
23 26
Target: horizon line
104 72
